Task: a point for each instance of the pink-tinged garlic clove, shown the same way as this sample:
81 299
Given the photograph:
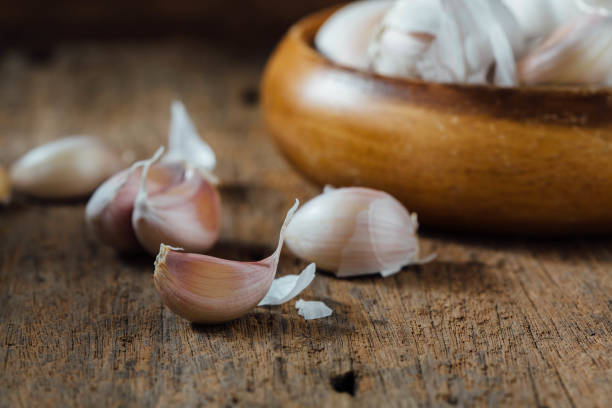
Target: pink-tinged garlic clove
67 168
355 231
5 187
109 211
578 53
204 289
186 214
346 35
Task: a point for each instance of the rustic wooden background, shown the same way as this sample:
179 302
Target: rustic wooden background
493 322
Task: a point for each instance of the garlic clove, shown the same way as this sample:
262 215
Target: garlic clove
186 214
109 211
67 168
286 288
312 310
184 142
5 187
345 36
577 53
448 41
355 231
204 289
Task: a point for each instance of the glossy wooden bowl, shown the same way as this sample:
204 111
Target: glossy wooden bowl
527 161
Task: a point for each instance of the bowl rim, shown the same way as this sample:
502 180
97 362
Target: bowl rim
304 31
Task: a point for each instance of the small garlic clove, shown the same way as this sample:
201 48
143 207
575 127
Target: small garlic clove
345 36
204 289
184 142
186 214
67 168
355 231
109 211
577 53
312 310
5 187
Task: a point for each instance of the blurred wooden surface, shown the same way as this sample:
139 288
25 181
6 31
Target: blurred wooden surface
491 323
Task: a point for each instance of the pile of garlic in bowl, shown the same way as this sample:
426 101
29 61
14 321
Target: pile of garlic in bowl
499 42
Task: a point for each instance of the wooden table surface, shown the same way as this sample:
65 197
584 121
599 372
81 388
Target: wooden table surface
494 322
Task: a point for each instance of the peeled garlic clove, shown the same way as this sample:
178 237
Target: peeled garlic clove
66 168
5 187
186 214
184 142
312 310
578 53
345 36
355 231
204 289
109 211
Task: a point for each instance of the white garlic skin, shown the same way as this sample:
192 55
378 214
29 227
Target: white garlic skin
577 53
345 37
355 231
67 168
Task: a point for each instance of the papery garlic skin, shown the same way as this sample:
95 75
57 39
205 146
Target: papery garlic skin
184 142
5 187
313 310
67 168
355 231
186 214
109 211
345 37
578 53
204 289
448 41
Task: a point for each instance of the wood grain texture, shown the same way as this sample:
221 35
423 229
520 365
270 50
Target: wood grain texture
519 160
491 323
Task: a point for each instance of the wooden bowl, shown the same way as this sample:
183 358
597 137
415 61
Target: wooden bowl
527 161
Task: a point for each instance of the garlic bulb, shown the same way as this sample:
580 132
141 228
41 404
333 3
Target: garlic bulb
539 18
345 36
66 168
451 41
204 289
579 53
355 231
177 203
185 214
5 187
